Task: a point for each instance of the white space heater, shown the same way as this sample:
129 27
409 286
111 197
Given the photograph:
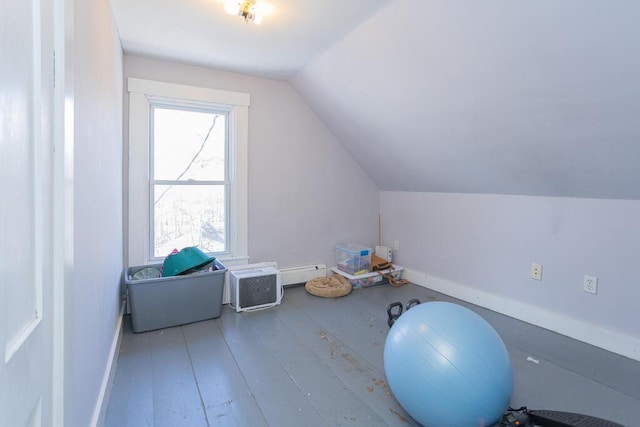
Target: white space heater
255 288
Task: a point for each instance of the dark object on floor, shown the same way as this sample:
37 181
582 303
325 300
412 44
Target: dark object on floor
546 418
412 303
514 418
394 310
524 417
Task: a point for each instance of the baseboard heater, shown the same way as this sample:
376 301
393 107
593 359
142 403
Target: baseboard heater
301 275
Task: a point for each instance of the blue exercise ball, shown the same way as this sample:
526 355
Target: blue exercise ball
447 366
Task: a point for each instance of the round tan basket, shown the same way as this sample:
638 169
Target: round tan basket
329 287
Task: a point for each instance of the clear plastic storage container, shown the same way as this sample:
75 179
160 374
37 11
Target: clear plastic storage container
353 259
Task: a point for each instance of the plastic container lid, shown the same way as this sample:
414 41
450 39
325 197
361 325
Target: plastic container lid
354 249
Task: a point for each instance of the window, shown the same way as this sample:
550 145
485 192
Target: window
188 178
187 171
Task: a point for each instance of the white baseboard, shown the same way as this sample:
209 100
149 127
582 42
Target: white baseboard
100 411
616 342
297 275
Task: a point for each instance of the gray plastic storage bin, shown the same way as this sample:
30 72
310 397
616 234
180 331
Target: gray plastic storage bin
171 301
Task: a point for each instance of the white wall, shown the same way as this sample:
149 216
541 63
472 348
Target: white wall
306 194
92 305
480 248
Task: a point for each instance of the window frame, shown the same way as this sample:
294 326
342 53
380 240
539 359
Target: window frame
142 93
223 110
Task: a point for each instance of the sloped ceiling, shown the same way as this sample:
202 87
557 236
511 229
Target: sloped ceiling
497 96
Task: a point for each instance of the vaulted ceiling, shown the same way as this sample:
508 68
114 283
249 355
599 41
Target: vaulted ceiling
496 96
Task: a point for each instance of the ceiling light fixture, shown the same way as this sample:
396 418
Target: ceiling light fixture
245 8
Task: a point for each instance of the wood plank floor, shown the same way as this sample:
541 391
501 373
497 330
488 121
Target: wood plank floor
319 362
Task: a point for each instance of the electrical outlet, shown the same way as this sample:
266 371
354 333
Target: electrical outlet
396 245
536 271
590 284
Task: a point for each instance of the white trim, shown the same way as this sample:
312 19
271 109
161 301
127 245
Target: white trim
16 342
192 93
100 411
41 232
238 174
38 178
140 93
138 180
616 342
230 262
63 184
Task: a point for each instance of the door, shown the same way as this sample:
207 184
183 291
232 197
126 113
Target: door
26 213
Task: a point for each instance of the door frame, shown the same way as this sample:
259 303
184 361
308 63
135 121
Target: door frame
63 187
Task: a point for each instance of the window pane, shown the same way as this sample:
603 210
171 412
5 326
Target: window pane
189 215
188 144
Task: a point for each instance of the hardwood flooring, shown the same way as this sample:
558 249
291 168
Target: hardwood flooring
319 362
